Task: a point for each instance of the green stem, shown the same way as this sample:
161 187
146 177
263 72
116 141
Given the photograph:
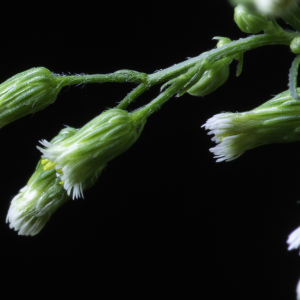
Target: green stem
292 17
141 114
119 76
230 49
249 43
241 45
192 68
140 89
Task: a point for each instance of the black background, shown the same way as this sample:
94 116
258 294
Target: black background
164 209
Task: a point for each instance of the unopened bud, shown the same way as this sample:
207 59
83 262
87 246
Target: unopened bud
248 20
295 45
27 93
214 77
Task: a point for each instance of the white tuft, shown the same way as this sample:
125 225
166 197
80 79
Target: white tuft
21 220
45 143
298 290
273 6
75 189
227 148
294 239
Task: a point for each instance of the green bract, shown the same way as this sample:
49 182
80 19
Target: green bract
26 93
276 121
215 75
78 158
38 200
248 20
211 79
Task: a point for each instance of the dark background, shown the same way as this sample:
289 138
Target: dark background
164 209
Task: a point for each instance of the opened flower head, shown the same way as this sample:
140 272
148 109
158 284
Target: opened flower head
38 200
78 158
276 121
32 207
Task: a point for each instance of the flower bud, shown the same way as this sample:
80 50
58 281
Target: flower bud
41 197
211 79
295 45
78 157
276 121
248 20
26 93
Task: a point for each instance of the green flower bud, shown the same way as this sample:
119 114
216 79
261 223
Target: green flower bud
276 121
27 93
41 197
78 157
248 20
211 79
295 45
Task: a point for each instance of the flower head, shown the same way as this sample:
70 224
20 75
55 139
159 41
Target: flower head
38 200
78 158
276 121
32 207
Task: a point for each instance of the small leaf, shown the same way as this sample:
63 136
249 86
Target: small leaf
240 64
293 75
196 73
168 83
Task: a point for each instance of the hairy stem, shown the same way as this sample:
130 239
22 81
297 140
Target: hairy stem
189 74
